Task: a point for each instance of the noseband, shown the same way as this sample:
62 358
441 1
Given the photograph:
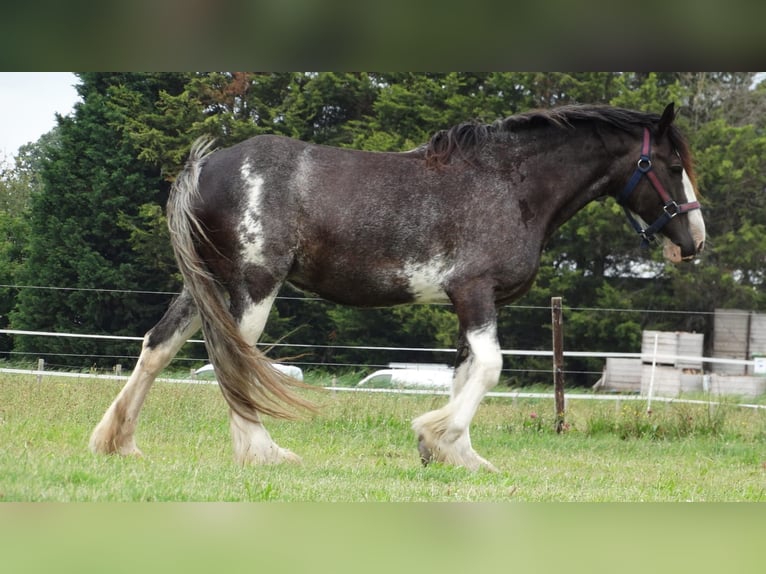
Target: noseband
670 208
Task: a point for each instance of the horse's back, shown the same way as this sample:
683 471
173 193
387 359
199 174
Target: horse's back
363 228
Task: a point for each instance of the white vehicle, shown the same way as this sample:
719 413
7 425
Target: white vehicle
432 377
207 371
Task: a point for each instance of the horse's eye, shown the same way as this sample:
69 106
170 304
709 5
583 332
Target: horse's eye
677 168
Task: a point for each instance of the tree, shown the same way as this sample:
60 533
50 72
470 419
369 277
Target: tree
90 176
96 220
18 183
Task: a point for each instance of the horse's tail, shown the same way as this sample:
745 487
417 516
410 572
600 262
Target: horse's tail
250 384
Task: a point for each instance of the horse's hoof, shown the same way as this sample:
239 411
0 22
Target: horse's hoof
288 457
274 457
426 455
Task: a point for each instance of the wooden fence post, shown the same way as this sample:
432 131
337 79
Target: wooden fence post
558 361
40 369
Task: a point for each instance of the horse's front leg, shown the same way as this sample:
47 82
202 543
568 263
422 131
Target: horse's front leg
115 434
443 434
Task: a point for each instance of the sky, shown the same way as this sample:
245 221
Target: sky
29 102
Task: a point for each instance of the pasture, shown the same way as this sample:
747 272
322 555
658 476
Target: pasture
360 448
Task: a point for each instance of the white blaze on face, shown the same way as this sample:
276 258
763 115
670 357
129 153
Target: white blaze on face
426 280
696 223
251 227
671 251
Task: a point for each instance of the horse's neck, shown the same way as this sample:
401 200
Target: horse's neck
588 177
581 195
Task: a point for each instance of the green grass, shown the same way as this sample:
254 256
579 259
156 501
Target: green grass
360 448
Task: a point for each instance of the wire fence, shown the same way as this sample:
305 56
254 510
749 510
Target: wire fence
310 347
507 352
319 299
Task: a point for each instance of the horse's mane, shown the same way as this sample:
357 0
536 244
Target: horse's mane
466 140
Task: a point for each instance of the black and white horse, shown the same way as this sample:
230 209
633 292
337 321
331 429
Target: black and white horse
462 219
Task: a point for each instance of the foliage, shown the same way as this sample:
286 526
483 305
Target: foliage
89 201
90 175
17 184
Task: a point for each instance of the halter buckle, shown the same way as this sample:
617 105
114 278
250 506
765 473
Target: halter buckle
671 209
646 238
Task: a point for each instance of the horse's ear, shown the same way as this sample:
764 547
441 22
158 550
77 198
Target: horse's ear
667 118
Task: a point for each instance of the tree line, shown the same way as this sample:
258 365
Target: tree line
82 208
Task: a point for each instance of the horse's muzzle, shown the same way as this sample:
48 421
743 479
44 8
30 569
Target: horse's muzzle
677 253
685 256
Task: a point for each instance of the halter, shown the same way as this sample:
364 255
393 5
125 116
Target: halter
670 207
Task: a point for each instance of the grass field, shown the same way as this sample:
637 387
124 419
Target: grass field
360 448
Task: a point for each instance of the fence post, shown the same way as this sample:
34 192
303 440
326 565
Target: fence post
40 369
558 361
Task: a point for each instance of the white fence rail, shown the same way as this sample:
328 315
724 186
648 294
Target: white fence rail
648 357
496 394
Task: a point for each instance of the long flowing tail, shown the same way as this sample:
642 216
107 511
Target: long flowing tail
250 384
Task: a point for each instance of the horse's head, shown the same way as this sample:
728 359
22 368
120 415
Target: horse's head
660 196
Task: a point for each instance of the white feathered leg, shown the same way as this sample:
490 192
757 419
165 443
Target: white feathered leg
443 434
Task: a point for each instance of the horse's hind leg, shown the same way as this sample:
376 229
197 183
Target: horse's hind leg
116 431
443 434
252 442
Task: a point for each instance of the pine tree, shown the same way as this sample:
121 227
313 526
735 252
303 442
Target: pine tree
91 177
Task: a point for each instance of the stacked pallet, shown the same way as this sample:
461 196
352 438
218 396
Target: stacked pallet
747 386
676 367
741 335
671 362
738 334
620 376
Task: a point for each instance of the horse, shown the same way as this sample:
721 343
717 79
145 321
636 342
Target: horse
461 219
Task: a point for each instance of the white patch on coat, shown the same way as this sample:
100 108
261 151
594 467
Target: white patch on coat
251 227
254 318
426 280
303 173
696 222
